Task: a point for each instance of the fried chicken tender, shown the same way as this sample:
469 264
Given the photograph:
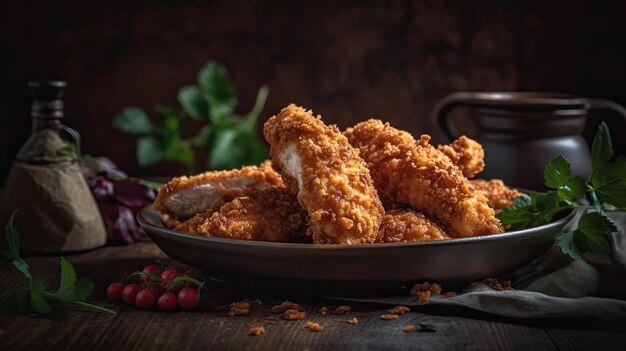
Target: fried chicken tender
467 154
498 194
332 182
414 173
264 215
183 197
408 225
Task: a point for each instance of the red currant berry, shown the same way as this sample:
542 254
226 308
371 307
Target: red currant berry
167 301
188 298
145 299
129 293
114 291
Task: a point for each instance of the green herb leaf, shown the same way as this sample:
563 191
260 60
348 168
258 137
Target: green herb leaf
68 275
601 148
194 104
573 190
557 172
133 120
148 151
593 232
215 85
13 243
609 183
37 302
565 242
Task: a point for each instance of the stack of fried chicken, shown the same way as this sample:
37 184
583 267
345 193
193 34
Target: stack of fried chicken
371 184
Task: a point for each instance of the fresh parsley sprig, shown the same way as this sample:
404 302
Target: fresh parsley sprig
33 296
604 190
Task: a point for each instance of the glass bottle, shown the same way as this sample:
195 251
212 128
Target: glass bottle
56 210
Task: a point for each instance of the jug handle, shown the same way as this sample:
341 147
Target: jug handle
442 111
602 104
75 136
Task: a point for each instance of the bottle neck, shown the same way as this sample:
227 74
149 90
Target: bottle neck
46 123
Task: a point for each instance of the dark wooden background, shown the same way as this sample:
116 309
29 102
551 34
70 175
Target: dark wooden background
348 60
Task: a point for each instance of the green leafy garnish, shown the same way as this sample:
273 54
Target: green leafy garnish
230 139
605 191
33 296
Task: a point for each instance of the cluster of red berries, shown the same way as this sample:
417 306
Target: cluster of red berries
168 288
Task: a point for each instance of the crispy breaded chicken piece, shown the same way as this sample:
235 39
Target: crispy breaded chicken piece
498 194
467 154
263 215
418 175
183 197
332 182
408 225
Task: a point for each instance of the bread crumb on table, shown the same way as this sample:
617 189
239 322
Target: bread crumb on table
409 328
424 296
342 309
434 288
450 294
324 310
313 326
399 310
495 284
293 315
388 317
256 331
286 305
353 321
239 309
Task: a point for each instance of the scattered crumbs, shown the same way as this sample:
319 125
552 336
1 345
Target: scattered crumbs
313 326
286 305
239 309
409 328
270 321
256 331
450 294
293 315
399 310
353 321
424 296
495 284
324 310
388 317
343 309
419 288
425 328
258 302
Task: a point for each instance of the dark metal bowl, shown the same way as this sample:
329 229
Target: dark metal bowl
373 267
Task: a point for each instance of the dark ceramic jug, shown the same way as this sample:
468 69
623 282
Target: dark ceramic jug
522 131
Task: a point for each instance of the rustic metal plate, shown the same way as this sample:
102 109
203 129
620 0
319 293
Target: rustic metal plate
370 265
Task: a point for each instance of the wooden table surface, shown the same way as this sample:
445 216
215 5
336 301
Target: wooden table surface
210 327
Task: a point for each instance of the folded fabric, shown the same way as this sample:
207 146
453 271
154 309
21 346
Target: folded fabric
552 287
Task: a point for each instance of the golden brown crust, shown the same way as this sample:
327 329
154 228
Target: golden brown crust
416 174
225 186
265 215
467 154
408 225
336 187
497 193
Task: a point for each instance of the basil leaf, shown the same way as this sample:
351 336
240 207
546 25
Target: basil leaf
148 151
565 242
601 148
609 183
133 120
194 104
557 172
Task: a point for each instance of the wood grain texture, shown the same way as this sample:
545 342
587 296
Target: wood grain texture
209 327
